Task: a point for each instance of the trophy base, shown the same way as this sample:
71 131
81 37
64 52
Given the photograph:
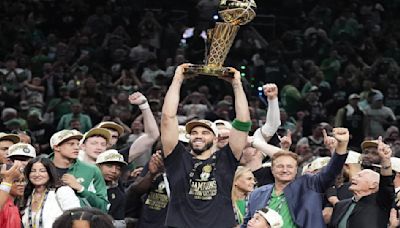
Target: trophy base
205 70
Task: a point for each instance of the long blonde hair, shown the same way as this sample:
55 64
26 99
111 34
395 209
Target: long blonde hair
240 171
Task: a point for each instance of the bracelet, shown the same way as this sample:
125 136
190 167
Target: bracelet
6 184
386 167
5 188
241 126
144 106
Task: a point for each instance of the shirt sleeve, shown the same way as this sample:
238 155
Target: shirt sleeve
98 199
66 198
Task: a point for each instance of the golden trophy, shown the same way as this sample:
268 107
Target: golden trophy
221 37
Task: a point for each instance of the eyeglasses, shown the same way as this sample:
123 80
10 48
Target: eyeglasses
21 182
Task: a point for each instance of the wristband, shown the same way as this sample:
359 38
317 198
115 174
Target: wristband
144 106
241 126
386 167
6 184
5 188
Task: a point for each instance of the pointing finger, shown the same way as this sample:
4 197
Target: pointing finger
289 133
325 134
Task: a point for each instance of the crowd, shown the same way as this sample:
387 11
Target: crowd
100 128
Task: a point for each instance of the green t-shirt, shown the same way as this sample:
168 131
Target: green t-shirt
241 205
280 205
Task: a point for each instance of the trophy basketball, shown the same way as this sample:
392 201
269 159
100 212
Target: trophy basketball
221 37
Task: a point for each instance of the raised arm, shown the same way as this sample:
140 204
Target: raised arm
8 178
151 132
273 120
386 189
338 142
143 182
241 125
169 121
268 149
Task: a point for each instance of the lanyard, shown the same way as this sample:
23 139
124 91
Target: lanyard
32 222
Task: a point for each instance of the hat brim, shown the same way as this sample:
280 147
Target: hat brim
78 137
119 162
368 144
189 126
20 155
11 137
112 126
98 131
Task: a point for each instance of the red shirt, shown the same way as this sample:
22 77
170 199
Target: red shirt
9 215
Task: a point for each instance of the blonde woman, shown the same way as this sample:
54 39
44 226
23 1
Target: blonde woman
243 184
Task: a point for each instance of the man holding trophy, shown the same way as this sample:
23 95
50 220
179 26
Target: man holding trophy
200 179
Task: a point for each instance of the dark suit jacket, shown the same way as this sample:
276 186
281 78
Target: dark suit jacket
370 211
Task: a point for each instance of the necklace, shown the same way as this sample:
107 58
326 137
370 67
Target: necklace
39 212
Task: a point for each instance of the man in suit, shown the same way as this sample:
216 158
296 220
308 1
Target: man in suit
299 201
372 196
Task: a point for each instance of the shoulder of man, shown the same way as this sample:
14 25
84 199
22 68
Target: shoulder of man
86 166
261 191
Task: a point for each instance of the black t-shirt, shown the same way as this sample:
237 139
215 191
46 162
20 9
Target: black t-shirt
61 171
263 176
155 205
125 153
200 189
117 199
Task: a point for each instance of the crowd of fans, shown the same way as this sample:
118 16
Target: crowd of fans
84 97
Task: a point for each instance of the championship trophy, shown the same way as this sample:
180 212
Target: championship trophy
221 37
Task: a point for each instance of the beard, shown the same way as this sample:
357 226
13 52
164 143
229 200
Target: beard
199 151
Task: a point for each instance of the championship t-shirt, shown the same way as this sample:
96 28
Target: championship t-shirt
200 189
155 203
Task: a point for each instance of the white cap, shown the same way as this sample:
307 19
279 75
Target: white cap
110 156
316 164
64 135
353 157
273 218
225 123
183 136
22 149
395 164
319 163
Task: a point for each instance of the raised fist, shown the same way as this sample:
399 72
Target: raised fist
270 90
342 135
137 98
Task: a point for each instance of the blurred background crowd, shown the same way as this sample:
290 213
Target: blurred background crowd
83 59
